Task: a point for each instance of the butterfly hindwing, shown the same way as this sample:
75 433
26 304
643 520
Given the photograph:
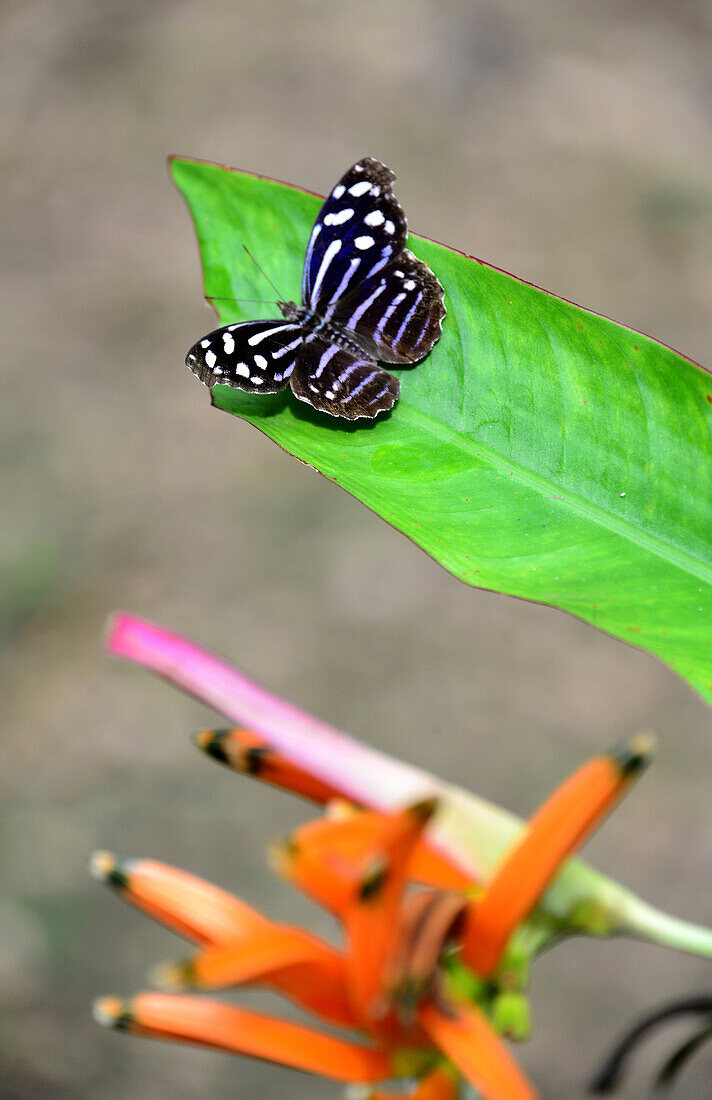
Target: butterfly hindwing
400 319
360 227
341 382
256 356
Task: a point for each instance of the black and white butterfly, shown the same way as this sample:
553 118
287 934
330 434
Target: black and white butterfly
366 298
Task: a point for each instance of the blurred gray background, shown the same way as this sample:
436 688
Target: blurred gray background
568 142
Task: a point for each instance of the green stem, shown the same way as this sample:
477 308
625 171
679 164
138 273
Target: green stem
637 918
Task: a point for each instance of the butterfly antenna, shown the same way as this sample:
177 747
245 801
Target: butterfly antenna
263 272
252 301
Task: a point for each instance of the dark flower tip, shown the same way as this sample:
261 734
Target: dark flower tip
112 1012
633 756
212 742
105 867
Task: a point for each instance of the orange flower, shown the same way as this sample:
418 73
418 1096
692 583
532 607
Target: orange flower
443 900
392 981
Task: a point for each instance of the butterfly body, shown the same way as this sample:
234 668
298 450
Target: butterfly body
367 299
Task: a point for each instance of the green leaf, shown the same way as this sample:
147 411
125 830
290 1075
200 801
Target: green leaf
540 450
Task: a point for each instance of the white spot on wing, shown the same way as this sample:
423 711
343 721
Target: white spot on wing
229 342
389 227
260 362
362 383
260 336
409 284
339 218
346 374
287 348
328 354
210 359
242 369
310 248
388 314
346 279
407 318
360 188
338 191
385 257
205 343
328 256
364 242
374 218
358 313
426 322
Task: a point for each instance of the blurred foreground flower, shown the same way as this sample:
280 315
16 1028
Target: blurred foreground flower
444 900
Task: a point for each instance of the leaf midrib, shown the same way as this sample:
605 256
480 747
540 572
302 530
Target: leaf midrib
578 504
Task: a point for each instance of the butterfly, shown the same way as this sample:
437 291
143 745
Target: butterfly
366 297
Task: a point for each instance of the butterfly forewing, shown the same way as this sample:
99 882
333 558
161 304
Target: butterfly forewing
256 356
341 382
360 227
401 318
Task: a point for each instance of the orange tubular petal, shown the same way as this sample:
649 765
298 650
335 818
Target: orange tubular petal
247 752
373 919
324 858
224 1027
438 1085
553 833
433 869
307 871
189 906
285 959
477 1051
